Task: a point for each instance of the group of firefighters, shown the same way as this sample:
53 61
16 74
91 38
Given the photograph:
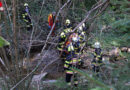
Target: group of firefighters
70 45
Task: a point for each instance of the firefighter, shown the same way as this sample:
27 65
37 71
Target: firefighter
71 61
97 60
64 33
26 17
51 19
82 35
63 39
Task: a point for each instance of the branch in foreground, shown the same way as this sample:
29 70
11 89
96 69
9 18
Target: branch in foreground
91 79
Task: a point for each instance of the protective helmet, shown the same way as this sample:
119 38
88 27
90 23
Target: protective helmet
83 25
67 21
75 37
97 45
25 4
80 28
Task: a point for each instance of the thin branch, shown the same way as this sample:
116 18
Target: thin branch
43 2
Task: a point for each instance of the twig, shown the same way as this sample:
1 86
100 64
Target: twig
41 7
3 63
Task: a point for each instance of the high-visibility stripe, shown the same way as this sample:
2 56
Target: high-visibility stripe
67 30
74 61
70 48
63 36
59 48
66 66
49 17
98 55
67 62
69 72
25 20
97 64
79 60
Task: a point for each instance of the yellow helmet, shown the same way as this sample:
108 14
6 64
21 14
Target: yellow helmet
25 4
67 21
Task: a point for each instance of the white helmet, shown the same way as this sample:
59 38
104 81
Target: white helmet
75 37
80 28
83 25
97 45
67 21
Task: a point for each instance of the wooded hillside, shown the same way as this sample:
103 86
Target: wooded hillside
30 60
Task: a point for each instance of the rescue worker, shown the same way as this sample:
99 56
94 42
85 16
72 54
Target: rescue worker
51 19
82 35
63 39
71 61
97 61
1 7
26 17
